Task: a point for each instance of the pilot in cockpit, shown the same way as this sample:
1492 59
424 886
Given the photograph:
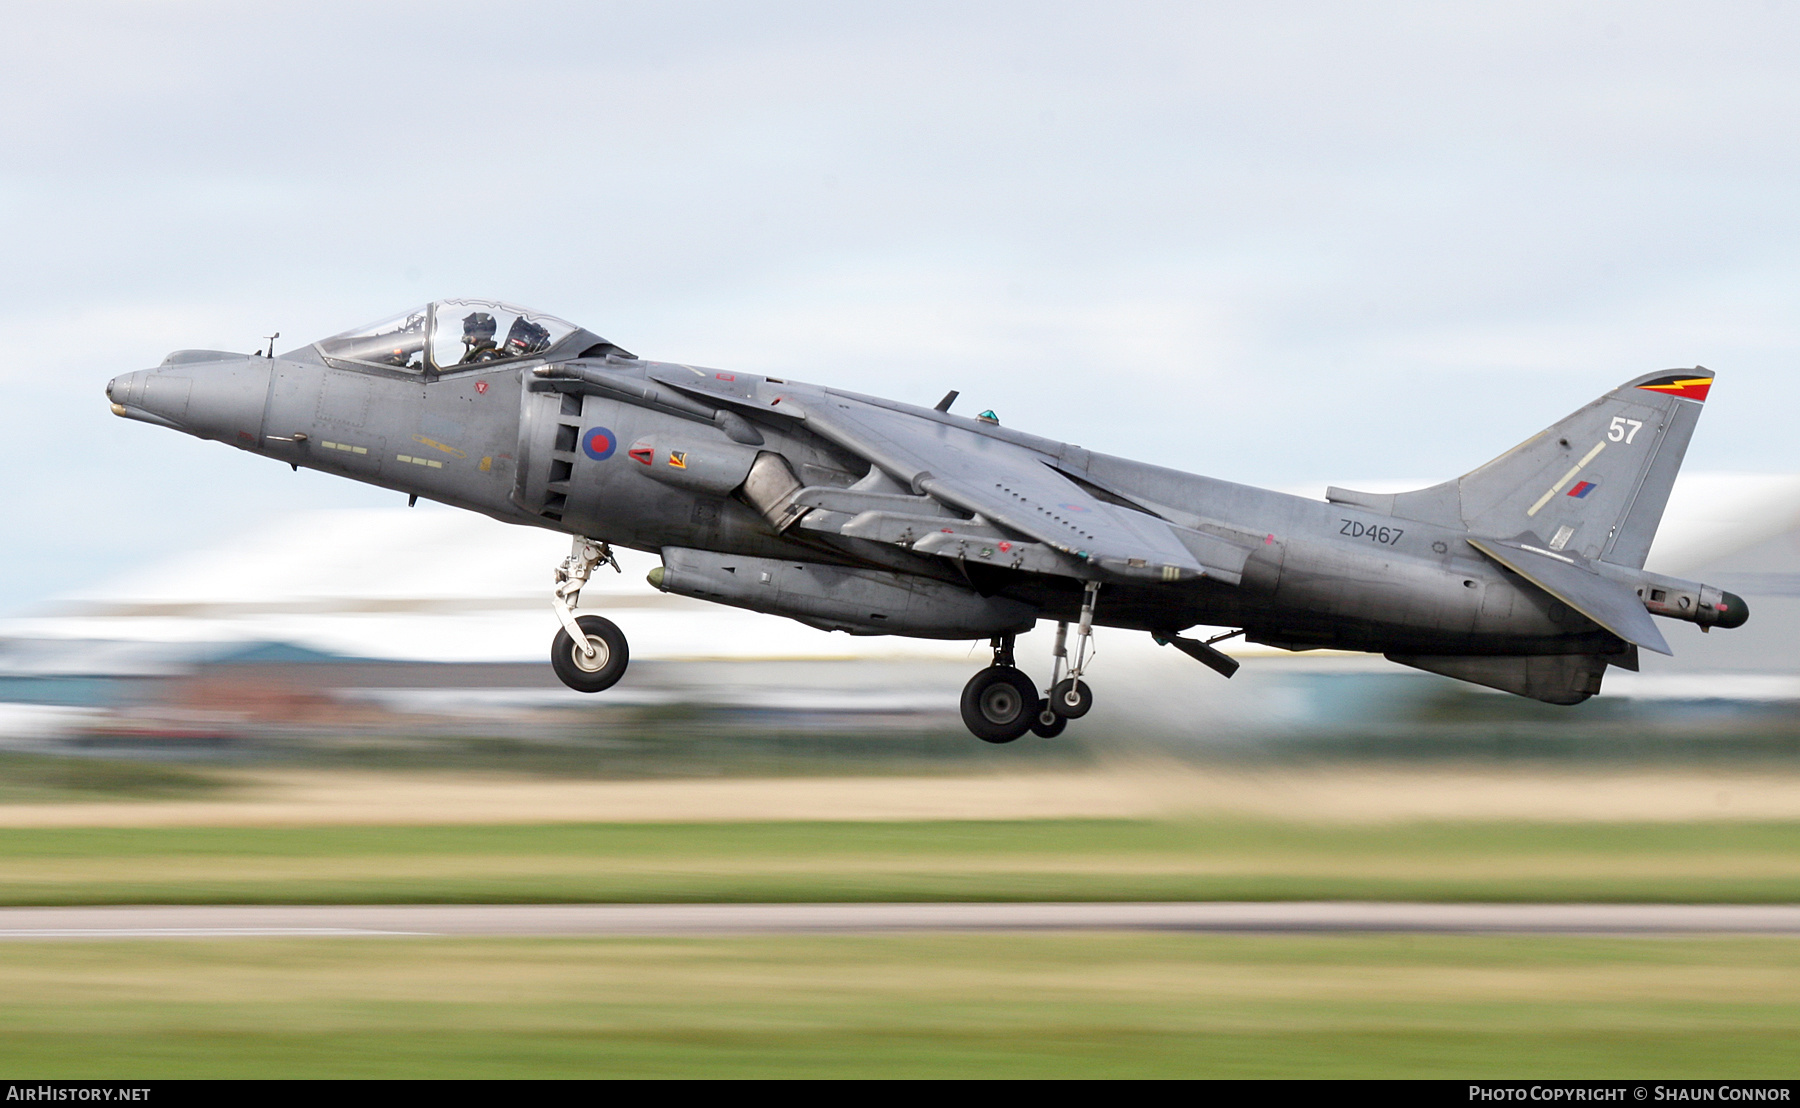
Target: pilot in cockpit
525 337
478 339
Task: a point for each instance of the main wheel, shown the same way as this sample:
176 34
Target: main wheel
999 704
1071 699
601 670
1047 724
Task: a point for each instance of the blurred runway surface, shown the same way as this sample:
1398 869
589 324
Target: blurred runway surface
241 921
1330 793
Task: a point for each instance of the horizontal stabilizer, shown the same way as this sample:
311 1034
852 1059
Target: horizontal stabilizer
1608 603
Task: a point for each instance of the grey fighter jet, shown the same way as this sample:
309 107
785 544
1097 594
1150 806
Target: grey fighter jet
875 517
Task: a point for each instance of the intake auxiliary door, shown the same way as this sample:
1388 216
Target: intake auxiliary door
550 430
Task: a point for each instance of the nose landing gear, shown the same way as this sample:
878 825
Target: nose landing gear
589 654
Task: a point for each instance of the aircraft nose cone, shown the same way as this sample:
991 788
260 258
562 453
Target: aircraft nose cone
125 390
216 399
1733 612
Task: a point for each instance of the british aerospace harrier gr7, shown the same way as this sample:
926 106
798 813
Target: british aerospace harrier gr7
871 516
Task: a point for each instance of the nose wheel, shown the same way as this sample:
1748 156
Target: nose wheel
589 654
597 662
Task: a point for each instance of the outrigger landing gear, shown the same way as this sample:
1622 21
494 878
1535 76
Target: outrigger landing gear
1069 696
1000 704
589 654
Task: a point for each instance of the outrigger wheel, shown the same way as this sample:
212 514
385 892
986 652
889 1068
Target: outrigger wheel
1070 698
600 666
999 704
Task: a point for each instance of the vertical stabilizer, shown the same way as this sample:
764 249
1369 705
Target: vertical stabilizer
1593 483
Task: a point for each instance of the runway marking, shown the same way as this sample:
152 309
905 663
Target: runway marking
595 920
186 932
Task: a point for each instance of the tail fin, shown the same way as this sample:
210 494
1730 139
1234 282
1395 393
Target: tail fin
1594 483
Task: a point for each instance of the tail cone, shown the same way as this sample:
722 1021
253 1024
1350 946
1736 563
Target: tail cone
1733 612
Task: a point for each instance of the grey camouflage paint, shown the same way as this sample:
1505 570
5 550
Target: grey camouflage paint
870 516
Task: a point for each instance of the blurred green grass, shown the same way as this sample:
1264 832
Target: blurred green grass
41 778
942 860
994 1005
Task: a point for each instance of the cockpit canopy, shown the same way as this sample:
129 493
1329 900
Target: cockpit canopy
448 335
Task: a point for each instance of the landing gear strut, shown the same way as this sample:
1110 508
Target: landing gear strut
1069 696
589 654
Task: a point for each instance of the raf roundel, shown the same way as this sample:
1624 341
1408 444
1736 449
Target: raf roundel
599 443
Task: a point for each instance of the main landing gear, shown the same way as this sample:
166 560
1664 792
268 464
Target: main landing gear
1000 703
589 654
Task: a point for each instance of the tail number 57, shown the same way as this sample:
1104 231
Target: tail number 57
1624 430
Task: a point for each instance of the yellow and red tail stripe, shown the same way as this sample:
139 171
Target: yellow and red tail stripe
1688 388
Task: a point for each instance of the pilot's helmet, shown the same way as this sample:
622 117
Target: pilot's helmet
526 337
478 325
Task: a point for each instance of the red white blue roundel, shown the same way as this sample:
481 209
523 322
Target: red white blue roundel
599 443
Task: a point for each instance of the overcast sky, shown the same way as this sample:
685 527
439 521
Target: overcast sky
1270 242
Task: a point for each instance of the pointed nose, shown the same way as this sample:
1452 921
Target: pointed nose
124 390
134 397
221 399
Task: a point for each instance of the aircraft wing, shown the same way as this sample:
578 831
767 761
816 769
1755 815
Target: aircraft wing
1006 484
1010 485
1608 603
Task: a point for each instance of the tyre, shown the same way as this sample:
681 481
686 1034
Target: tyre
1071 699
599 672
999 704
1047 730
